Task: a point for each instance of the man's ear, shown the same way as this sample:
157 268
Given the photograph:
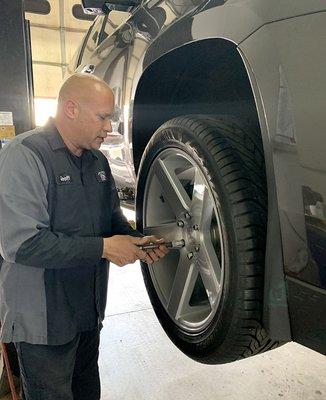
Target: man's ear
71 109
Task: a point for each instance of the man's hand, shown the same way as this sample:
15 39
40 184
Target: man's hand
123 250
155 254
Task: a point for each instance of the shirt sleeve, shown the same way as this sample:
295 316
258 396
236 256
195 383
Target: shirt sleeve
25 233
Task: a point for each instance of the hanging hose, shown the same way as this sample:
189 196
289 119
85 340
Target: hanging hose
9 372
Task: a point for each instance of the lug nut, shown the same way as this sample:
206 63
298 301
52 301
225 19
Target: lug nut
180 223
187 215
196 227
197 248
190 255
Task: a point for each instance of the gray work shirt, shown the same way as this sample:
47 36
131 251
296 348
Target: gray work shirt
54 212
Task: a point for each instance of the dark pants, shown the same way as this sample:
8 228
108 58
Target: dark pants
65 372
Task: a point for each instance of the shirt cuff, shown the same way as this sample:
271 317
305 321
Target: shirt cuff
93 249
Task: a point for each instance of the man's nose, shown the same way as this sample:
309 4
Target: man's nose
108 126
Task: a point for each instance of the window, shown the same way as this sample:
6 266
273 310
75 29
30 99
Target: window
44 108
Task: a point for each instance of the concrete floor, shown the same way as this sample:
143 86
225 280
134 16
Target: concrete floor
138 361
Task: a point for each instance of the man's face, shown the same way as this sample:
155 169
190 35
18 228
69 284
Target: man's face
94 121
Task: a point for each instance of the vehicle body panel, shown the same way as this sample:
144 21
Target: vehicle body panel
289 74
292 94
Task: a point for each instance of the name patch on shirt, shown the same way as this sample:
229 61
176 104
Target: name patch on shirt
101 176
64 179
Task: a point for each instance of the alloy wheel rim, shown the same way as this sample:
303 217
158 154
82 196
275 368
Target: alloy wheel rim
179 204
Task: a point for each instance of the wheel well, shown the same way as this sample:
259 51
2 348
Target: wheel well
204 77
209 77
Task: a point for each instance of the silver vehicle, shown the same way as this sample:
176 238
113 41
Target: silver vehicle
220 140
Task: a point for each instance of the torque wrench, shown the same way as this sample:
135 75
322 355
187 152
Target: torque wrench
175 244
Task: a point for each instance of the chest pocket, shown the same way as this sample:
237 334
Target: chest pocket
69 205
99 197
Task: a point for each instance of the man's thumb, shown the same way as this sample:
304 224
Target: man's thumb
138 240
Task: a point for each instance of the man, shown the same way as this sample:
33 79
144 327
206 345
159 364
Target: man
60 222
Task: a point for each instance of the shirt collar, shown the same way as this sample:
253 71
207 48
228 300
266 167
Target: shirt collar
56 141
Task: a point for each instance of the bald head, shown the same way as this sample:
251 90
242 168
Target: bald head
82 88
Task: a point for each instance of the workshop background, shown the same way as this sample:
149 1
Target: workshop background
137 360
56 35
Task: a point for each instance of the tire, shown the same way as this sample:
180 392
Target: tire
202 179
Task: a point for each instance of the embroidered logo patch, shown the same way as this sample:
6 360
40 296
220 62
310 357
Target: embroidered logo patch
64 178
102 176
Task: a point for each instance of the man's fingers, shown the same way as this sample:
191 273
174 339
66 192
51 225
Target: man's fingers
164 249
153 256
159 253
141 254
150 256
146 240
119 263
147 260
155 239
138 240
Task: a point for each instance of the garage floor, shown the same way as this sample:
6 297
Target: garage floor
138 361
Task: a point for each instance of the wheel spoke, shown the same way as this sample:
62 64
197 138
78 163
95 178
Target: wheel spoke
202 204
210 270
182 288
174 192
167 231
196 312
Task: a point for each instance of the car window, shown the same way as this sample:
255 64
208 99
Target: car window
92 38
